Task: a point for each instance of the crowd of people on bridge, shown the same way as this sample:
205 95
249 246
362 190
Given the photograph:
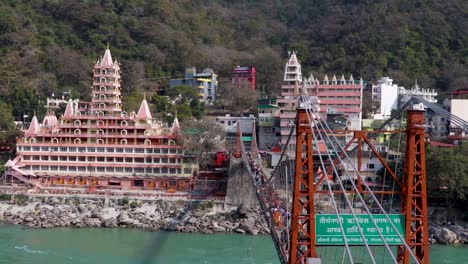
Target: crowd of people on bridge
271 201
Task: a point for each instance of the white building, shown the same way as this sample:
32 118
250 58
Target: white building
385 97
405 95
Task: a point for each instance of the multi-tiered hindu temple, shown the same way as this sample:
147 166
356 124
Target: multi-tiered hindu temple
97 144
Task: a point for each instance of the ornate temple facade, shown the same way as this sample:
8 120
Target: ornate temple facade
336 96
97 144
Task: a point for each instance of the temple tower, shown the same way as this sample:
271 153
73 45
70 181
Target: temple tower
106 97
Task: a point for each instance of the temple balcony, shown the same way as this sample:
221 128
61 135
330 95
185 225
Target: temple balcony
98 100
113 84
108 91
107 75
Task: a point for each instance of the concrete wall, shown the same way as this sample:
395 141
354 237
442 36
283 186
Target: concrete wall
240 189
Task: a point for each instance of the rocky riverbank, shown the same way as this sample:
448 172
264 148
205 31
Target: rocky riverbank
182 216
446 228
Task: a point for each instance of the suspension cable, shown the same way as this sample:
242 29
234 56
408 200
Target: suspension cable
370 192
314 124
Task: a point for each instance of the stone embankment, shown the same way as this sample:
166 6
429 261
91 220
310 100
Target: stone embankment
182 216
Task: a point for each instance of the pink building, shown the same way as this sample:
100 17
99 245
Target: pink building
332 96
99 145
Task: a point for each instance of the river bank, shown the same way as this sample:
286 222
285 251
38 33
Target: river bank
181 216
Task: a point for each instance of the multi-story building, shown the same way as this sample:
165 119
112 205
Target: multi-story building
206 83
384 98
405 95
268 123
230 123
98 144
332 96
244 77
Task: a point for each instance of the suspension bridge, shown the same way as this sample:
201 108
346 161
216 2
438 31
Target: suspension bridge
321 209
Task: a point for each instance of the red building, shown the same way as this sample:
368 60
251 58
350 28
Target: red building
244 77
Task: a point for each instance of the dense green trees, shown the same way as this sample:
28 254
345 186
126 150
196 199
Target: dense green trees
49 46
447 174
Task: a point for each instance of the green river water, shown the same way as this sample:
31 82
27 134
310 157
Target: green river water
129 246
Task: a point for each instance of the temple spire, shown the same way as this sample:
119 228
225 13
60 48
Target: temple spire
69 110
175 127
144 111
34 126
107 58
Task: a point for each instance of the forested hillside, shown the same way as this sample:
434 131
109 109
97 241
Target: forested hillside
48 46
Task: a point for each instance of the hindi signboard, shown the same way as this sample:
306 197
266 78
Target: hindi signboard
328 231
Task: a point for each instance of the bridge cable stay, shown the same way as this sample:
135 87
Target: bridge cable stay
315 123
283 156
364 183
336 142
442 112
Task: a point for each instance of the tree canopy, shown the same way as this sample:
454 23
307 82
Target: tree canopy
49 46
447 173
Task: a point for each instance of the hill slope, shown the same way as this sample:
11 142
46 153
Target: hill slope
49 46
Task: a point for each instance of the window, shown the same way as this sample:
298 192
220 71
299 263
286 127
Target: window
139 150
45 148
100 149
156 170
128 169
172 171
63 158
72 149
100 159
128 150
72 158
139 170
120 150
100 169
110 149
92 149
370 166
81 149
53 168
119 169
129 160
119 159
63 168
27 148
63 149
109 169
54 149
36 148
140 160
72 168
163 170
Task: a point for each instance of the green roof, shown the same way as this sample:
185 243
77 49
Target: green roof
264 106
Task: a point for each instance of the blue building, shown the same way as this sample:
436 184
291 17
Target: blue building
206 82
